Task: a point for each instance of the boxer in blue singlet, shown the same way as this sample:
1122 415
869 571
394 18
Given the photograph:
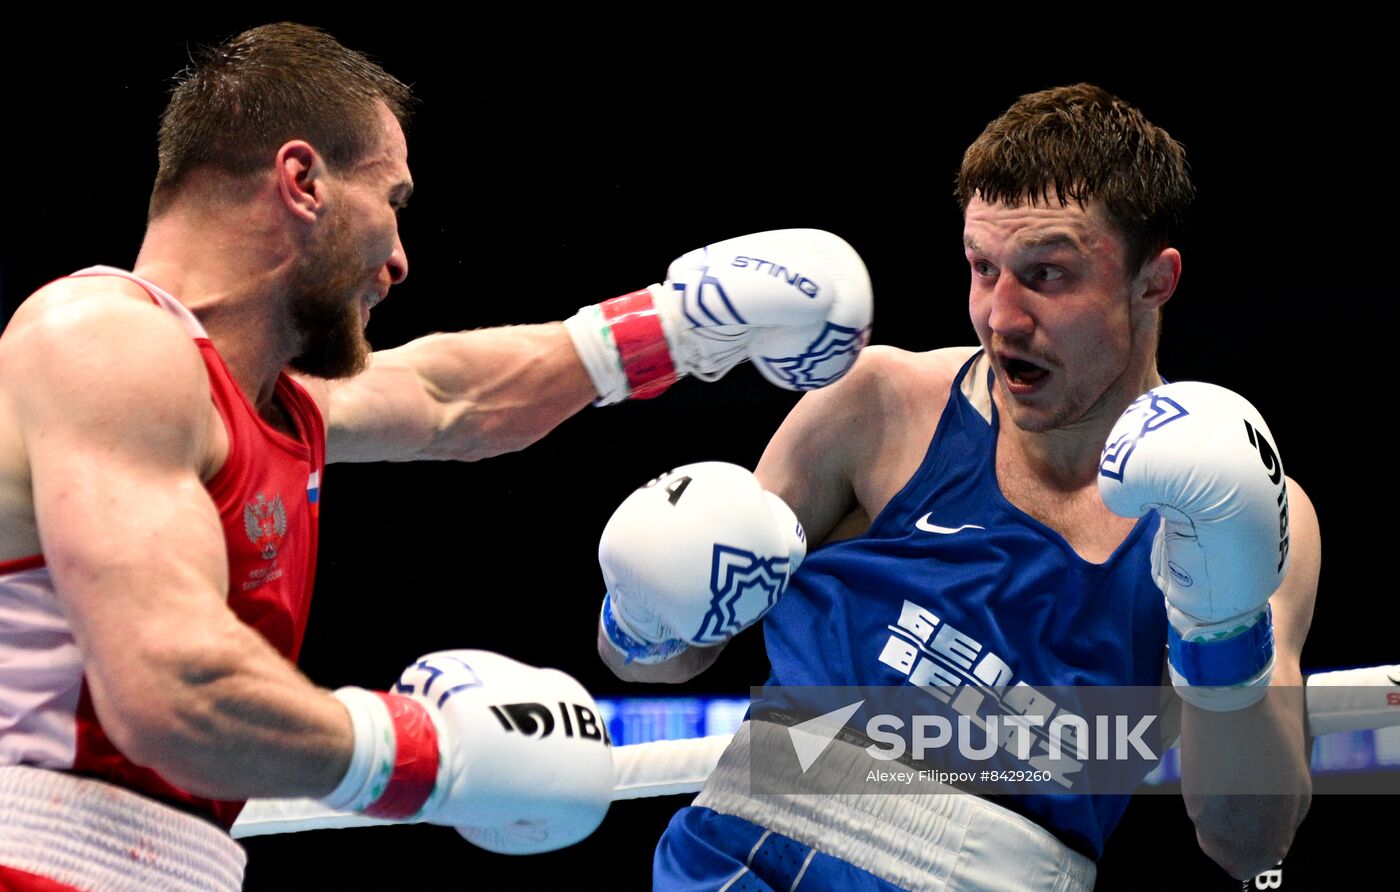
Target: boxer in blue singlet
963 538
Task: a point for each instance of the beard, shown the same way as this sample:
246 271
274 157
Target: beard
325 306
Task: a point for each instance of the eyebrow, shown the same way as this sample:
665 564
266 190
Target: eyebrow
1052 240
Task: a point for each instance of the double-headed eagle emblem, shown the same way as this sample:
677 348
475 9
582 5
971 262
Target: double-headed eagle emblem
266 524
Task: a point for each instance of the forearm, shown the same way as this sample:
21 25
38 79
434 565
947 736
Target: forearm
502 389
223 715
461 396
1245 779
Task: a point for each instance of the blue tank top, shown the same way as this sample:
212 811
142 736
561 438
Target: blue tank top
954 585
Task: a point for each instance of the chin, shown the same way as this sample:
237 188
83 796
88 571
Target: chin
1054 413
1033 422
336 350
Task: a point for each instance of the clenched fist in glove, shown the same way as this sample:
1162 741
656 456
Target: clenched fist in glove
1202 457
692 558
796 302
516 758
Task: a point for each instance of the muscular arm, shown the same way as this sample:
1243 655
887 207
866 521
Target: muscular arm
113 404
1247 834
463 396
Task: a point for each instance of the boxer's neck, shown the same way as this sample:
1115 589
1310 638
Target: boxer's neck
230 266
1067 458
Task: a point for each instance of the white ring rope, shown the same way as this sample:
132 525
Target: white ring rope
1347 700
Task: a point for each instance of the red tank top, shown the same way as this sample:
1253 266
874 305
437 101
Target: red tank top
267 494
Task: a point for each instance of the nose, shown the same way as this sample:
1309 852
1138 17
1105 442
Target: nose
1009 316
397 264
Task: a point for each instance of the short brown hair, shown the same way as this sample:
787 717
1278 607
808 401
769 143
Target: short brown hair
1082 142
235 106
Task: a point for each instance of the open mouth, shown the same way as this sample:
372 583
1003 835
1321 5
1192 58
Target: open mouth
369 302
1022 372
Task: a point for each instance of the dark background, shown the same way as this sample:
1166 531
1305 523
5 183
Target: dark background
556 169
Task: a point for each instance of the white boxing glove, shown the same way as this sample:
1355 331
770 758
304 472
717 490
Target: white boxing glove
1202 457
518 759
795 301
692 558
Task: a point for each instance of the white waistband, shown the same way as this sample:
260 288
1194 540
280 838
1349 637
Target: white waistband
93 835
953 841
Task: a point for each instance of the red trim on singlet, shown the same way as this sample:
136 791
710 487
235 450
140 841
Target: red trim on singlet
19 564
12 880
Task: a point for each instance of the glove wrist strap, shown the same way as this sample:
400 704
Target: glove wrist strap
634 649
623 345
394 767
1230 662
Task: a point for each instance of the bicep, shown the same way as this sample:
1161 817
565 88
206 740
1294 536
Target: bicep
123 535
807 462
114 413
385 413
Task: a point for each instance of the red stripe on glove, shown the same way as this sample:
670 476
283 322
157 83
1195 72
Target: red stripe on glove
415 760
641 343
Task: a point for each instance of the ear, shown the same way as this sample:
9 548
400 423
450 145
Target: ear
301 179
1157 280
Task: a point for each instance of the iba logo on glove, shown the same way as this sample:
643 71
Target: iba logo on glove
538 721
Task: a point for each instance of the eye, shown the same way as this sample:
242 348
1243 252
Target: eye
983 268
398 198
1045 273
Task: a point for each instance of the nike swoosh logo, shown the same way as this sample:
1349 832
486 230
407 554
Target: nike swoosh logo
1393 679
923 524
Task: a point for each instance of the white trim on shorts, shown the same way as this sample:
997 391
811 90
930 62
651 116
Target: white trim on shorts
953 842
93 835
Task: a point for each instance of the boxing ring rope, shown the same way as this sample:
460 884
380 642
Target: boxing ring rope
1338 702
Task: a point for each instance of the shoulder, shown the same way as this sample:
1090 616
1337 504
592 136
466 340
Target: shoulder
908 366
885 387
73 292
872 423
100 344
88 306
885 376
921 376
